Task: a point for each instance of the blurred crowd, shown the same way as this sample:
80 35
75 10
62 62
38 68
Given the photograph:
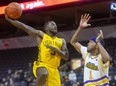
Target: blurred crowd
68 78
19 77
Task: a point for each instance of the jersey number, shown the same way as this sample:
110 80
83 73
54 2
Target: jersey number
53 53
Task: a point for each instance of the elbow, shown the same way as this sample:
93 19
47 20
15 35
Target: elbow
71 42
66 57
106 59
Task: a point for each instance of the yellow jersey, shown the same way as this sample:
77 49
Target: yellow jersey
45 54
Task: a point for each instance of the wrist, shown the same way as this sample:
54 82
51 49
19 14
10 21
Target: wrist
81 27
97 42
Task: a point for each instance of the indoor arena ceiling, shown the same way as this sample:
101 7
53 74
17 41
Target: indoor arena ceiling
99 9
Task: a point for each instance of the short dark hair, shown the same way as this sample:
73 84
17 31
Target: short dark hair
46 25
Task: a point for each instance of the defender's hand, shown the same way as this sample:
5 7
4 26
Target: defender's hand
100 36
84 21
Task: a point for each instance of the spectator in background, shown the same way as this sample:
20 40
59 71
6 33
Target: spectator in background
16 78
9 81
66 81
72 77
115 77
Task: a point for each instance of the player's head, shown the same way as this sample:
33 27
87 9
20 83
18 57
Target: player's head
50 27
92 45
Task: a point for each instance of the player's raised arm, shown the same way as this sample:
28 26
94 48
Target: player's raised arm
103 52
30 30
83 24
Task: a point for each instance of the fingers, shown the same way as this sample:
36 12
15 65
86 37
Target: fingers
101 32
6 16
81 16
89 24
86 16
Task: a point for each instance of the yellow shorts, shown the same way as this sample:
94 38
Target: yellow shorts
53 74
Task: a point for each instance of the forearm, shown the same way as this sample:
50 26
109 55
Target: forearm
31 31
74 39
63 54
103 52
16 23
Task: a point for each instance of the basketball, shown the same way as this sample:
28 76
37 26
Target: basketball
13 10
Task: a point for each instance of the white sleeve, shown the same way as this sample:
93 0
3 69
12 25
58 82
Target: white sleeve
83 51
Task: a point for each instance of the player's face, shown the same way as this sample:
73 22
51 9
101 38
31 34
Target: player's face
53 27
91 46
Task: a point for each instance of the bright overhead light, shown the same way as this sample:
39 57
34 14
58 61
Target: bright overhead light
113 6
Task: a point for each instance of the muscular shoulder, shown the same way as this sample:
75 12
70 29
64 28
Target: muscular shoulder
40 33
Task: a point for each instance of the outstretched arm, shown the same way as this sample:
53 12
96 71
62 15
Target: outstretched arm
30 30
83 24
104 54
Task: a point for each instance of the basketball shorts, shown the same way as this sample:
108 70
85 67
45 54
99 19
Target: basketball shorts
53 74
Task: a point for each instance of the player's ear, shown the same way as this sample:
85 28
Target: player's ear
97 46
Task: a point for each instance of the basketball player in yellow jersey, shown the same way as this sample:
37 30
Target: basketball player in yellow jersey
51 50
